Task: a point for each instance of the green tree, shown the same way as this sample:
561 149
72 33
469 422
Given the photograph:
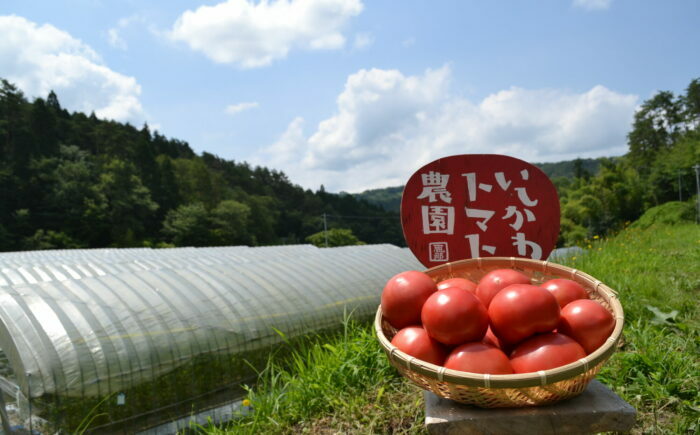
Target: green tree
691 103
125 202
49 239
229 223
196 183
264 213
188 225
64 188
656 126
335 237
43 125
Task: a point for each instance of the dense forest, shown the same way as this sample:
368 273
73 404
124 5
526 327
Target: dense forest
70 180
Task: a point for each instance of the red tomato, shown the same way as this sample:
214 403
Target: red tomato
495 281
453 316
521 310
416 342
587 322
478 357
565 290
490 338
544 352
462 283
403 297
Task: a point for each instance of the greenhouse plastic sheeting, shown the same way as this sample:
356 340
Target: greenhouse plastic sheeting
92 322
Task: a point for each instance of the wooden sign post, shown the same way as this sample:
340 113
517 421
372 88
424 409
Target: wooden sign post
479 205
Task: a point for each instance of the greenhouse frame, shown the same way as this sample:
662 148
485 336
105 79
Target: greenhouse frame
139 337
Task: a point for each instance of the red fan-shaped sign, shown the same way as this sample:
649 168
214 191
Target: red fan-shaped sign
479 205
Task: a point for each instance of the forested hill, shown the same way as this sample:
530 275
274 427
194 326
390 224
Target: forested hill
389 198
71 180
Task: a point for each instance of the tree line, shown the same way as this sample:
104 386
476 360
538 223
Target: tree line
71 180
664 145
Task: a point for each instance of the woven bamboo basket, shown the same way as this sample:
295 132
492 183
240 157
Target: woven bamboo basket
518 390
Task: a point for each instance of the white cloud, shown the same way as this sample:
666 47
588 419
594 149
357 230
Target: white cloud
233 109
255 34
39 59
388 125
114 34
363 40
593 5
115 39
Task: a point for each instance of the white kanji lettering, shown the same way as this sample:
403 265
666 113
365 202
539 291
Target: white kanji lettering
472 186
475 249
438 251
524 174
523 244
438 219
512 210
501 180
522 196
481 214
435 184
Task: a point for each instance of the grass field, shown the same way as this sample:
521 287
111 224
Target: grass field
346 385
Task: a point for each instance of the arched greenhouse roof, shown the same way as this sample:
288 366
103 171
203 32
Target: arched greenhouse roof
97 321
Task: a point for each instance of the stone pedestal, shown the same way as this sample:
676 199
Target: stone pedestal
597 409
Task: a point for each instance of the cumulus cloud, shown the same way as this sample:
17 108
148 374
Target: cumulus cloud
39 59
363 40
388 125
114 34
252 34
233 109
115 40
593 5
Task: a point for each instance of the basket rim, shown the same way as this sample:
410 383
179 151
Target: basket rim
540 378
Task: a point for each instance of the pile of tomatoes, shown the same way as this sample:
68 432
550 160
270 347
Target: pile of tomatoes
501 325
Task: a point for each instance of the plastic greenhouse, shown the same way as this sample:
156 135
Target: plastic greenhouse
148 336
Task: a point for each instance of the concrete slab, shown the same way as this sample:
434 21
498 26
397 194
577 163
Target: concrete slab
597 409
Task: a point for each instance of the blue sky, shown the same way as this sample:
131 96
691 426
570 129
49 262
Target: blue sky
358 94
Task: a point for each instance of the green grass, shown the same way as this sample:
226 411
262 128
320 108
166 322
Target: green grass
346 385
656 272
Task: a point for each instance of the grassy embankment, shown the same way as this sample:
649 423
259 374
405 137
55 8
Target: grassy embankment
347 386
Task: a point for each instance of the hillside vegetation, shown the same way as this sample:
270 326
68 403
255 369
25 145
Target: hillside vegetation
346 385
70 180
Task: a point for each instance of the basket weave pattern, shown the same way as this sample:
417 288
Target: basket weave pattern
519 390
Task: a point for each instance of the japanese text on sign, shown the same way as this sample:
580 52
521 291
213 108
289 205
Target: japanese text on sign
475 205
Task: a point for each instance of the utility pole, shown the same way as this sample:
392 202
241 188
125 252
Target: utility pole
697 184
325 229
